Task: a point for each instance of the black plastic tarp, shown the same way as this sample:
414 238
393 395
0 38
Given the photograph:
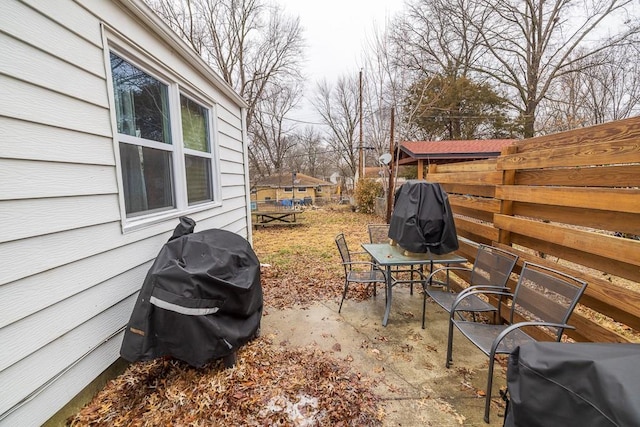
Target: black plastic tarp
200 300
574 384
422 220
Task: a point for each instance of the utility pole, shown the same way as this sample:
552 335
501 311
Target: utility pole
391 171
293 189
360 173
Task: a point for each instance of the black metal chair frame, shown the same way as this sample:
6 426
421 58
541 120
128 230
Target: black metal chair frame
544 298
371 276
491 270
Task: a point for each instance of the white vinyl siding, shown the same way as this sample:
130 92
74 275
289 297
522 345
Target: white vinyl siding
70 272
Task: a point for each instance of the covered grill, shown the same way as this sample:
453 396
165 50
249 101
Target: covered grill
200 301
573 384
422 220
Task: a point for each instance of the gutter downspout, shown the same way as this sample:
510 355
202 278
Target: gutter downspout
247 183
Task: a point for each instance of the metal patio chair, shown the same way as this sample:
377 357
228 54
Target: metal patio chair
354 271
491 269
543 299
378 233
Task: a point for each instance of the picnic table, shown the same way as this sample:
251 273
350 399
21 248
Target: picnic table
276 217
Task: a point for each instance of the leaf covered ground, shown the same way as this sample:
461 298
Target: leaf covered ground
270 384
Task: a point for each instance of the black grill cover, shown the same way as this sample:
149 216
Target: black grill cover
200 301
581 384
422 220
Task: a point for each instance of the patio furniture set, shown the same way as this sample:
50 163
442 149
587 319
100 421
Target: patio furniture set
542 299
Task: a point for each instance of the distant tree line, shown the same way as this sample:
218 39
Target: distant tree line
449 69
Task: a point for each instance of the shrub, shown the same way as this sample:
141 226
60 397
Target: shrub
365 195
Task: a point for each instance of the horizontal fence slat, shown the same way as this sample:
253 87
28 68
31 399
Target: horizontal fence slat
476 203
599 153
612 131
602 264
472 213
594 218
609 199
483 230
473 166
468 178
473 190
624 250
600 176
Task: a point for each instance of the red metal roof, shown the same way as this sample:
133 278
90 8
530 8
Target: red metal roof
421 149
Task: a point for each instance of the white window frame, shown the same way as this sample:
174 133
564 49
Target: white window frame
211 155
176 86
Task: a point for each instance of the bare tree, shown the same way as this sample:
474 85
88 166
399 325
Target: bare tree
604 87
532 43
338 107
254 45
612 85
312 157
273 136
439 37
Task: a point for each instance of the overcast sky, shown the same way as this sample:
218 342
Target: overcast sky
336 32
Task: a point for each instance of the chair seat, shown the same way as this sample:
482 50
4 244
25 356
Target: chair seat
369 276
445 300
483 335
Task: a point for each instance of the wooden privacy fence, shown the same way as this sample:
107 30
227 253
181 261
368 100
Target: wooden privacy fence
570 201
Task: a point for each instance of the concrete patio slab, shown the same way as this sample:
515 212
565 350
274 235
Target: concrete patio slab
407 361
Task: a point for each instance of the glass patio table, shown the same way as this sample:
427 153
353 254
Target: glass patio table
388 256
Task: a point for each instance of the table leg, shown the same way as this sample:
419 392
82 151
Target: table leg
387 309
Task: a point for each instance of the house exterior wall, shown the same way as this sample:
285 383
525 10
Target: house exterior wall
72 264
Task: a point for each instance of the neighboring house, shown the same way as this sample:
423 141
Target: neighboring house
110 129
423 153
284 187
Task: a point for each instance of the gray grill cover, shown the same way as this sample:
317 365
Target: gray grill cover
422 220
581 384
200 301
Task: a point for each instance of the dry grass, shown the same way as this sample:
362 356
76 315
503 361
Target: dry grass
303 261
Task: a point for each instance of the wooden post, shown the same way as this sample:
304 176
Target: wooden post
361 148
392 181
506 206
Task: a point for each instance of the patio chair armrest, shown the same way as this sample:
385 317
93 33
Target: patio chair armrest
493 291
447 269
519 325
482 287
430 276
359 262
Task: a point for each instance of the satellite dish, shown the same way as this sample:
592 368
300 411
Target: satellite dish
385 159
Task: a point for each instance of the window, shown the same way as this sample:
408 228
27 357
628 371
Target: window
302 189
195 134
288 189
164 139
